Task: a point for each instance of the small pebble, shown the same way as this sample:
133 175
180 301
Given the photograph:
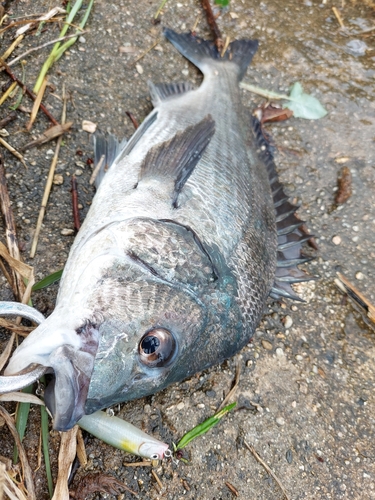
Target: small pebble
267 345
299 357
303 388
78 172
200 405
336 240
58 179
355 229
88 126
360 276
139 68
279 352
289 456
280 421
180 406
66 232
288 322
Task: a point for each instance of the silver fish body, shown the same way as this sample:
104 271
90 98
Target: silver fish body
172 267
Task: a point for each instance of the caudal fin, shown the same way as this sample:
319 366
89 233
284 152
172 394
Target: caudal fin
200 51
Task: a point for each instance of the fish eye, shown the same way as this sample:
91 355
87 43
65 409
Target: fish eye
156 347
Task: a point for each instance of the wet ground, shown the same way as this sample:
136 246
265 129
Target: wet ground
306 391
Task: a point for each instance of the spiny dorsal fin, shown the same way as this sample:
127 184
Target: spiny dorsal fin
161 91
108 147
177 157
290 232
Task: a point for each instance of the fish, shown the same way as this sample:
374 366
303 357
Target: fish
189 233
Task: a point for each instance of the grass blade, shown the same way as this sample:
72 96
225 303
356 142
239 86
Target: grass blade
48 280
204 427
45 436
21 420
58 50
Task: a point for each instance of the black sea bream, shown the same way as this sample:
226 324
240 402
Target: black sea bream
188 234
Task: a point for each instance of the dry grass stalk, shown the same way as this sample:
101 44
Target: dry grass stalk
15 328
13 257
49 182
157 479
8 487
259 459
67 453
7 351
21 397
51 42
81 449
235 385
338 17
37 104
19 269
16 42
146 51
13 151
6 94
27 472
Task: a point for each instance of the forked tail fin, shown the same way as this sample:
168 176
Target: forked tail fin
202 52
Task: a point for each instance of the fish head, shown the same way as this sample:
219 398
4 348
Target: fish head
156 313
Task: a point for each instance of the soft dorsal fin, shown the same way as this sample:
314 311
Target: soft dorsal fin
161 91
176 158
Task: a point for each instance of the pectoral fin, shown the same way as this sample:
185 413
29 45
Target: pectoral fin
176 158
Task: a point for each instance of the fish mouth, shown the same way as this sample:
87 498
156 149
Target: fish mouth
69 355
72 374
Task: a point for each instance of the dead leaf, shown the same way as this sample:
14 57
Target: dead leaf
49 134
97 482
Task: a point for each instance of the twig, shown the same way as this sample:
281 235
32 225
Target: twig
13 151
218 40
16 59
10 231
7 93
338 17
96 170
265 466
37 103
146 51
232 489
157 479
145 463
4 122
235 385
16 42
77 223
48 186
354 294
133 119
27 472
27 90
